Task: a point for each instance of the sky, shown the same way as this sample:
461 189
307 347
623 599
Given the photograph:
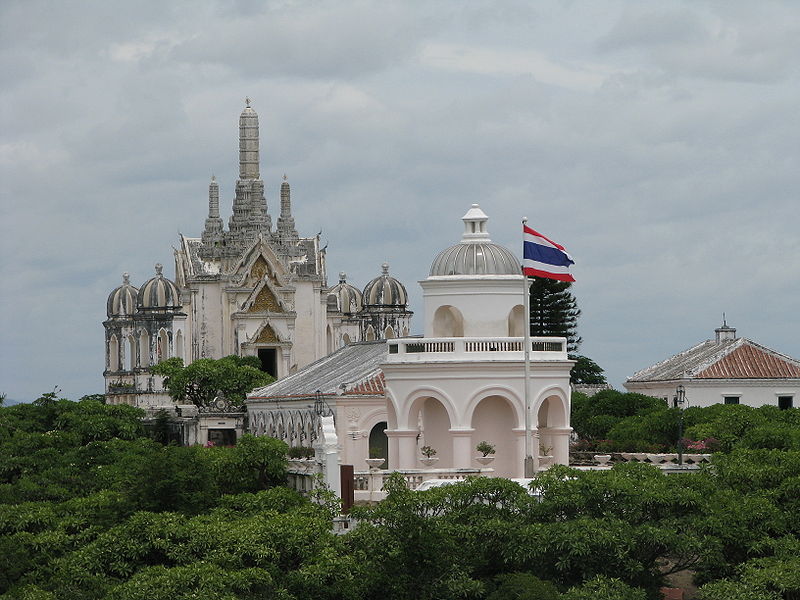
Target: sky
657 141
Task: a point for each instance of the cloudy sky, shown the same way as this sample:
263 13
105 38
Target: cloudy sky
656 140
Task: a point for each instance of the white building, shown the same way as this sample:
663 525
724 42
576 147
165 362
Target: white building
727 370
461 383
250 290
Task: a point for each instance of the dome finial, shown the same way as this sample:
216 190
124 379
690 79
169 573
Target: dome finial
342 277
385 268
475 225
126 278
247 102
159 269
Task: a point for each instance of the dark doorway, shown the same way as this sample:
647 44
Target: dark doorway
222 437
784 402
269 361
379 443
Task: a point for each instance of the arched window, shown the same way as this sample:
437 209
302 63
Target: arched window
144 349
370 333
179 344
516 321
113 353
388 332
130 354
162 346
448 322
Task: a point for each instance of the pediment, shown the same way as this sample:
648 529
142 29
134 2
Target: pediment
264 298
258 262
266 335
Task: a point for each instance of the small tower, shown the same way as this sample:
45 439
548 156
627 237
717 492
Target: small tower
725 333
385 313
286 233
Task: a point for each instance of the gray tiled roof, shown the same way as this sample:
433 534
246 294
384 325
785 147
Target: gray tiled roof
352 365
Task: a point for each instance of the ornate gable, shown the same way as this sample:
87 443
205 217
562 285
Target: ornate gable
266 335
264 298
260 261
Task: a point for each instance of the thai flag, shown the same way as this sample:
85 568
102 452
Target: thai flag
542 257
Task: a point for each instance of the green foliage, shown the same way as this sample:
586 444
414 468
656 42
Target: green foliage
485 448
586 371
300 452
427 451
554 310
607 588
521 586
201 381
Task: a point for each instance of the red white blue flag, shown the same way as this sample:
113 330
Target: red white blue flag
542 257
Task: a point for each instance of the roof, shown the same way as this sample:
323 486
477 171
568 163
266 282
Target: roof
356 366
727 359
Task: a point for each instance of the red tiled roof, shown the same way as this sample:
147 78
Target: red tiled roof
750 362
371 385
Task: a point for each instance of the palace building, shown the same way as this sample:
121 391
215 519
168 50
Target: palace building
255 288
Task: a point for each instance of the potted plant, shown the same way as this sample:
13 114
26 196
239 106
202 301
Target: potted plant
487 452
375 460
545 455
428 456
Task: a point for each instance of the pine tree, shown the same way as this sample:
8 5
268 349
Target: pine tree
554 311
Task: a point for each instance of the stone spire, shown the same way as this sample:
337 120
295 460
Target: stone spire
212 233
213 199
286 229
248 143
250 217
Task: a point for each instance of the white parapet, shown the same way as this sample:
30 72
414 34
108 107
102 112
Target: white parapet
406 350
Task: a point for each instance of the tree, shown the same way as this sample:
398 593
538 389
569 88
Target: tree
585 371
201 381
554 311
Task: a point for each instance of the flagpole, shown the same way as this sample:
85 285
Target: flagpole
529 464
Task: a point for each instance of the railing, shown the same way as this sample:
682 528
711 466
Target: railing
372 482
416 349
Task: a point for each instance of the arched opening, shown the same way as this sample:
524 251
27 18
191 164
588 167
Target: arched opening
433 422
379 443
179 344
493 421
553 425
388 332
516 321
113 354
162 346
130 354
370 333
144 349
448 322
345 339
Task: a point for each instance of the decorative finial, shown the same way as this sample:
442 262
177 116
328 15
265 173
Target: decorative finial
126 278
342 277
213 178
284 177
159 268
385 268
724 321
247 102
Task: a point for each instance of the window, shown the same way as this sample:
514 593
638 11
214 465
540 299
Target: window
731 399
785 402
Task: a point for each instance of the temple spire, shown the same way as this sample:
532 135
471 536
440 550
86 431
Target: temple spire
248 143
213 199
286 228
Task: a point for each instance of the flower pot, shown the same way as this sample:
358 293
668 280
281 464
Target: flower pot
375 463
602 459
546 460
485 460
428 460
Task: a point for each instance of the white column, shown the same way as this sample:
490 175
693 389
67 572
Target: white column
462 448
406 441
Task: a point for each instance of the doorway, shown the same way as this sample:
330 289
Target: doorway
269 360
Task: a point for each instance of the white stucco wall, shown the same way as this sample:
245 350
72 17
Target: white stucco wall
751 392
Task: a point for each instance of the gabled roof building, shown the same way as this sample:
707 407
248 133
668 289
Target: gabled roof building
727 369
